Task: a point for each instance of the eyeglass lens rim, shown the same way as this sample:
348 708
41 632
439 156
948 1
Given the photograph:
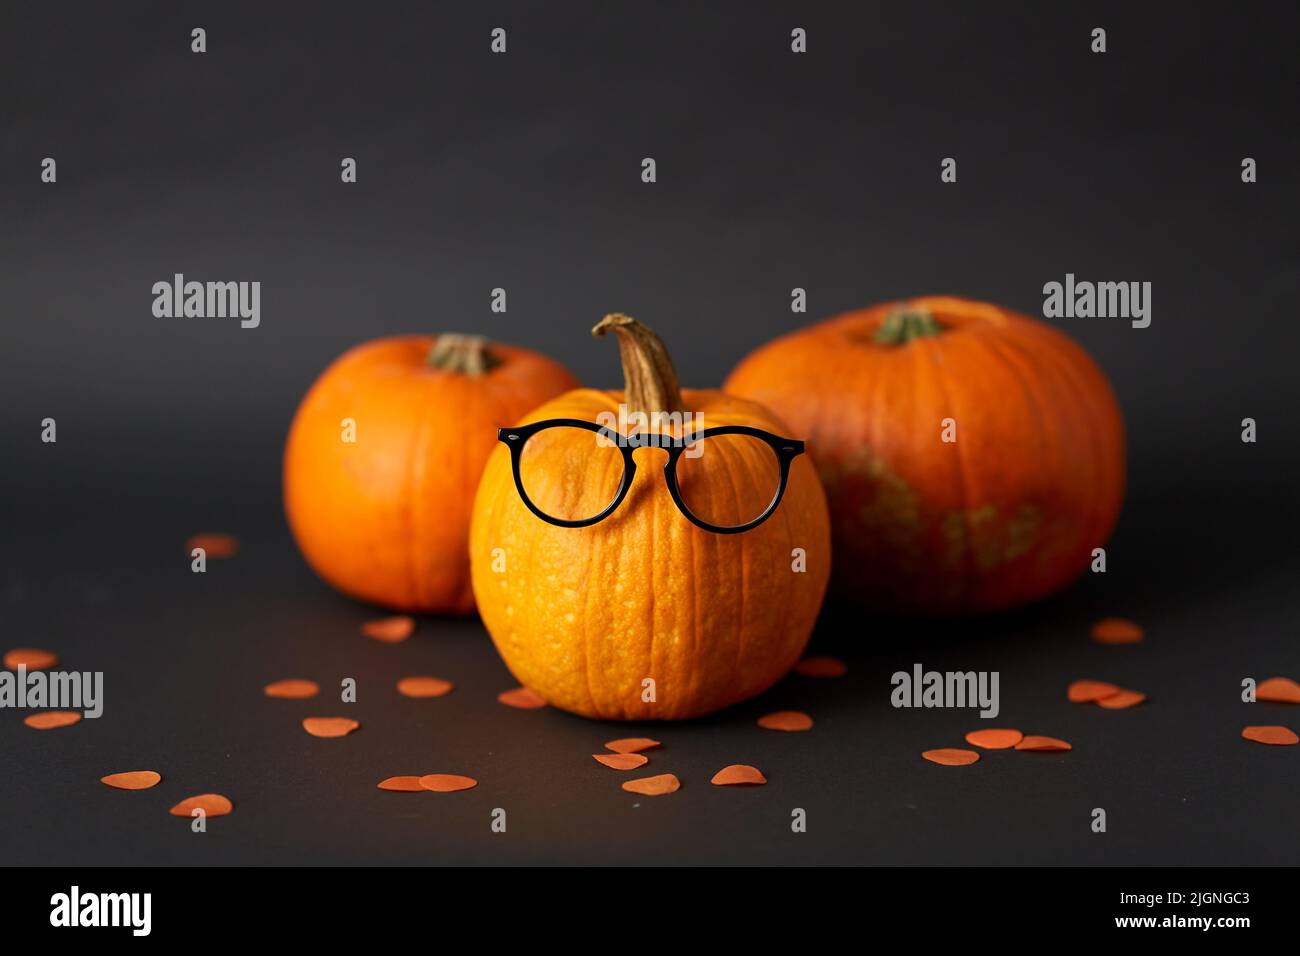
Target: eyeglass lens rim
785 449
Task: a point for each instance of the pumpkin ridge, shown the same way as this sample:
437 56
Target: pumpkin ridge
609 662
516 598
744 581
414 461
786 606
878 383
963 484
469 474
598 546
519 598
697 666
1028 387
655 505
1086 419
1096 519
1047 443
464 412
867 438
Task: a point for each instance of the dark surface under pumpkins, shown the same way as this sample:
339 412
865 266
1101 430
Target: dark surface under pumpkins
775 171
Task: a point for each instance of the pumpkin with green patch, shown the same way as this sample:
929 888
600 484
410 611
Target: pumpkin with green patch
973 457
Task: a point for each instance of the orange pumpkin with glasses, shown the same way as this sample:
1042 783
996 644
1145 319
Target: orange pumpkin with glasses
652 553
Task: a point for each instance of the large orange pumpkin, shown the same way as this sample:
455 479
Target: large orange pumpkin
1010 510
644 615
384 455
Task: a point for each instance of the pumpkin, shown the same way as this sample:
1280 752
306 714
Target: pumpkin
385 452
644 615
973 457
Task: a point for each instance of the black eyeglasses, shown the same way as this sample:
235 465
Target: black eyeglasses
725 480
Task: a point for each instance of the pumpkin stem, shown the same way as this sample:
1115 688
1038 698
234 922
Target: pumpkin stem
650 381
905 323
463 354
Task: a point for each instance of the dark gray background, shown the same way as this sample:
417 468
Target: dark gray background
522 171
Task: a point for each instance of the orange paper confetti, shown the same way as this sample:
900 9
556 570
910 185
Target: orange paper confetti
1087 691
214 545
447 782
995 739
738 775
1277 690
1043 744
1277 735
329 726
521 698
390 630
821 667
631 745
423 687
622 761
1121 699
408 784
1116 630
292 688
132 780
212 804
787 720
951 756
654 786
33 658
51 719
